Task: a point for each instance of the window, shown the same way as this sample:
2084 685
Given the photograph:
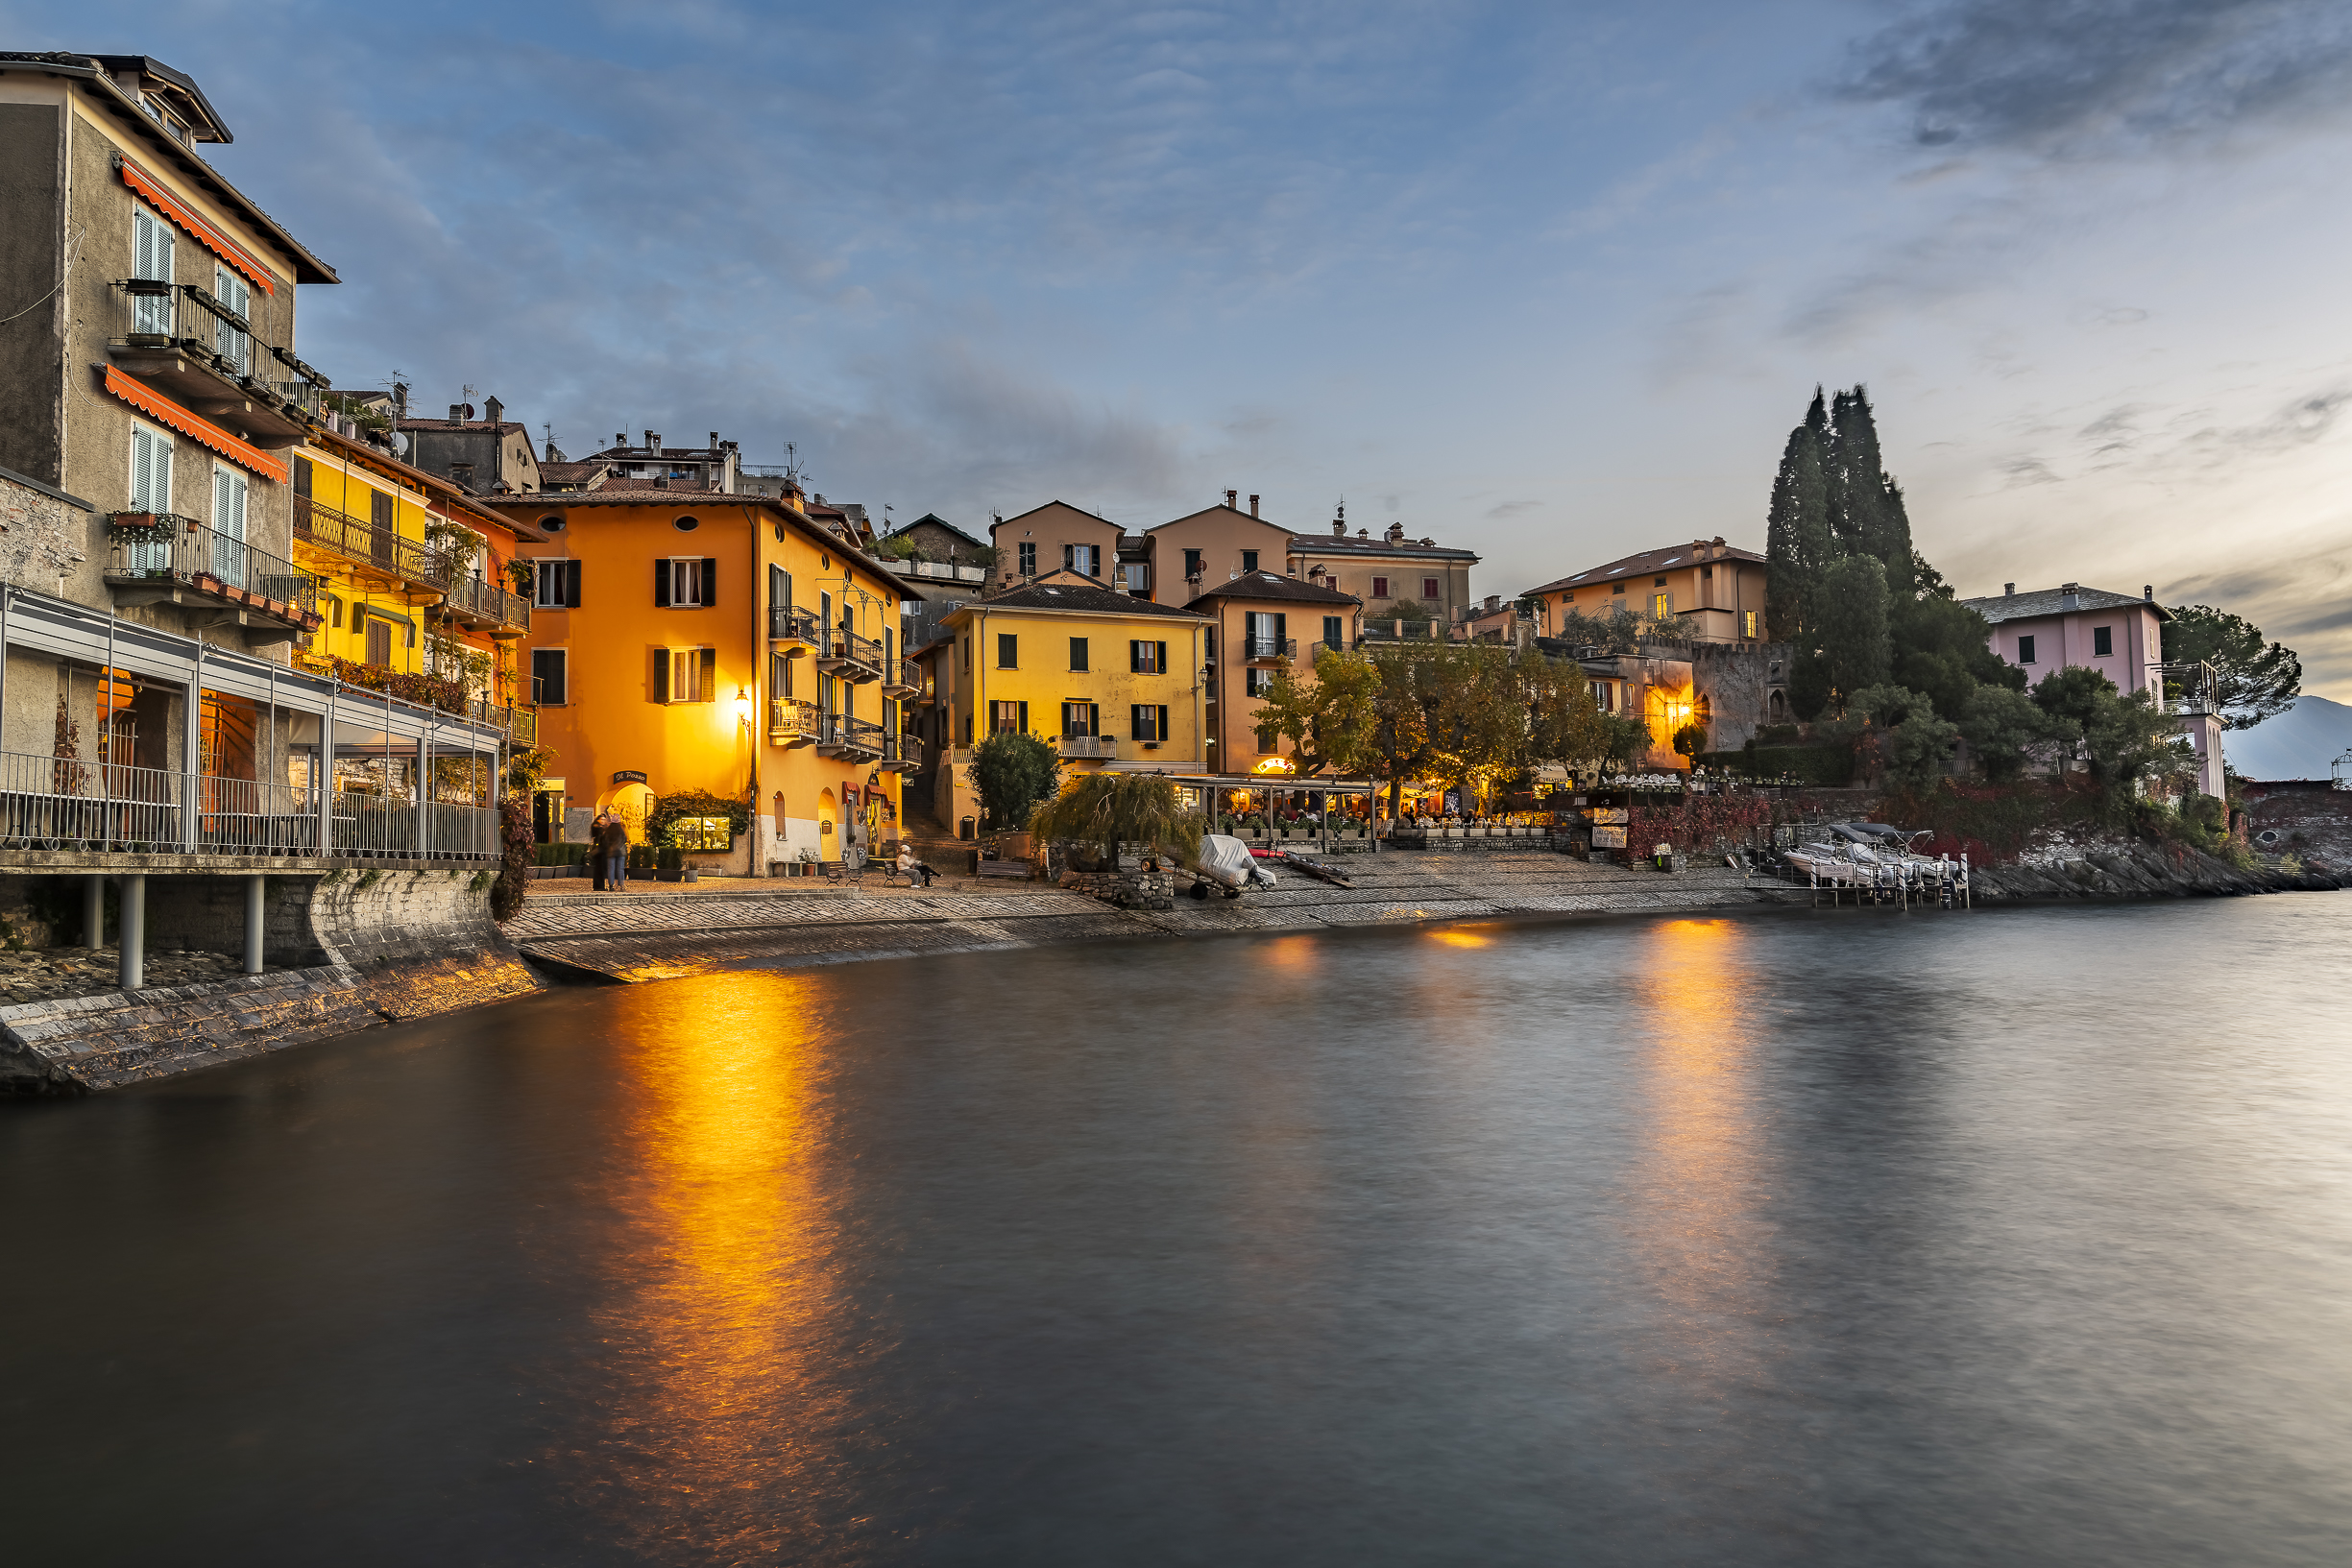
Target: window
551 526
1658 582
1078 655
1083 558
779 675
229 492
1149 723
555 584
1250 560
1028 558
1662 605
379 641
710 835
1080 720
2102 640
1146 658
1267 739
1335 631
1259 682
686 525
1380 588
1616 588
1008 651
1208 642
685 675
151 470
1269 636
228 342
1009 717
2024 650
152 243
1748 623
1192 565
686 581
334 612
1429 588
967 655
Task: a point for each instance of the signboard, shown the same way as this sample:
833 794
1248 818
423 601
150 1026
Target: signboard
628 776
1609 839
1614 816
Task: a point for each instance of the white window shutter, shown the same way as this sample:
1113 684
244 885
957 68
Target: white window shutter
142 471
221 494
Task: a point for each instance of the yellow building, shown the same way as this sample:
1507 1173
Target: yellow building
1111 680
693 642
413 577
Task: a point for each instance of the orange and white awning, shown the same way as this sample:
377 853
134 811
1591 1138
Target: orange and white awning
206 233
163 411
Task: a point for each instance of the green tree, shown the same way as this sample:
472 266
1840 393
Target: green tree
2257 682
1940 647
2005 729
1013 771
1853 635
1867 515
2125 739
1798 546
1113 809
1329 717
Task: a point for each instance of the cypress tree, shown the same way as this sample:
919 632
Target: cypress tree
1796 545
1866 512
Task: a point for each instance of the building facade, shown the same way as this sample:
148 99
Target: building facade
1393 576
1708 591
727 646
1111 680
1262 623
480 456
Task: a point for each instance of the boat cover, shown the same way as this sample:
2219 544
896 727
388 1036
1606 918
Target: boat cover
1229 861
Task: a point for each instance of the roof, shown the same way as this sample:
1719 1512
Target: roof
433 484
1651 561
1210 511
148 65
503 426
939 521
607 495
2053 601
570 473
651 455
1411 549
620 482
1002 522
1266 585
305 267
1078 598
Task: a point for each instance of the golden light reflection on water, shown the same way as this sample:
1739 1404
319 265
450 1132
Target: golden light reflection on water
722 1335
1697 1196
1460 936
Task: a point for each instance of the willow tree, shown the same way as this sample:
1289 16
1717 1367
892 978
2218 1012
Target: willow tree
1111 810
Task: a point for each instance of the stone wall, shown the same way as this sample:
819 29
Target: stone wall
41 538
1128 889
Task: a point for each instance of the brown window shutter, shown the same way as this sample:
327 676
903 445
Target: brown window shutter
572 585
660 675
710 580
661 585
710 674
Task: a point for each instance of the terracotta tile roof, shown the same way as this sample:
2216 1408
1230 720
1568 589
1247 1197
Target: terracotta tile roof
1651 562
1265 585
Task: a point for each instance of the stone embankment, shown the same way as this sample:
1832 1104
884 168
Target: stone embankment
2121 870
347 951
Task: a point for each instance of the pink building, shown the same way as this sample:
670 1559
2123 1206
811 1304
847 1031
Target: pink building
2120 637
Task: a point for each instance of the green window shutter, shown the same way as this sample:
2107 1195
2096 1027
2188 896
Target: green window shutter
1162 656
1024 719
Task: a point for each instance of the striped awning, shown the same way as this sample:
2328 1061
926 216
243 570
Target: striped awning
205 234
163 411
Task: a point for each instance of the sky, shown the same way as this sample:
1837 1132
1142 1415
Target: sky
1550 282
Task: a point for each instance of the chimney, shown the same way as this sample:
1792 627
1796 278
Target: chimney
1397 531
653 439
2148 594
661 481
1230 497
2008 591
1338 527
2071 589
492 408
620 439
713 441
1364 533
457 413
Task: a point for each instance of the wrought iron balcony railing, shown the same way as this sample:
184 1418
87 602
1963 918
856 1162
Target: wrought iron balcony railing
1089 745
839 735
853 658
484 603
791 721
364 544
785 624
1257 648
902 752
159 555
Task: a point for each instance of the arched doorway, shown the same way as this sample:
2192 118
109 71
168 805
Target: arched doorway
633 804
828 826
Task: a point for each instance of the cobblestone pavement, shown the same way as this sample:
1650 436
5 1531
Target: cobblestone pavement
636 937
43 973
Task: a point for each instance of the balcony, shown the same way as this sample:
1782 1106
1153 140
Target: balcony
854 740
845 654
902 754
1396 630
791 721
160 558
483 605
519 725
1080 747
938 572
1268 650
194 350
791 631
902 679
377 552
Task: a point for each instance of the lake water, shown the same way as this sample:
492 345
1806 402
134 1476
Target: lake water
2017 1236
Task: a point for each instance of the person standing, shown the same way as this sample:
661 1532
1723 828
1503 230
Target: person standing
595 850
612 838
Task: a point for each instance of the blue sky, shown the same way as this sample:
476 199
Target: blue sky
1551 283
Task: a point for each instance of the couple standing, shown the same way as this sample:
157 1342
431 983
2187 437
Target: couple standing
608 851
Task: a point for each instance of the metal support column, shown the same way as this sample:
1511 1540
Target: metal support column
191 754
93 911
424 792
323 772
257 906
134 970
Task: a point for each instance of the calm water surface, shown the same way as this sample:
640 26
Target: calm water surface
2012 1238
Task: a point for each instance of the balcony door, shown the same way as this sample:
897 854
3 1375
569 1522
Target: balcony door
152 244
151 491
228 498
380 528
1080 720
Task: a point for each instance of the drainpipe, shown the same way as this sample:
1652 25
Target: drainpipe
759 669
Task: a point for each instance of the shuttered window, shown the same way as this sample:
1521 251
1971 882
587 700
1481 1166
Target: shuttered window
685 675
1080 720
152 244
548 674
686 581
1335 631
228 342
151 470
555 584
1008 651
1144 658
1013 716
229 489
379 641
1149 723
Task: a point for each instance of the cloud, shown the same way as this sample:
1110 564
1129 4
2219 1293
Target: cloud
2090 75
1509 509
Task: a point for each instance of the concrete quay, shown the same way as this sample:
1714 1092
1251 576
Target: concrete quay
636 936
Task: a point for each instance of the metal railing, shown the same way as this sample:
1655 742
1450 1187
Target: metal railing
1269 647
162 547
1089 745
785 624
1395 630
855 655
407 559
840 733
63 802
477 598
519 725
2190 686
790 720
902 752
901 677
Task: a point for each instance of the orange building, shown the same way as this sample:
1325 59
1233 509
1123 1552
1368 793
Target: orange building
687 642
1713 591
